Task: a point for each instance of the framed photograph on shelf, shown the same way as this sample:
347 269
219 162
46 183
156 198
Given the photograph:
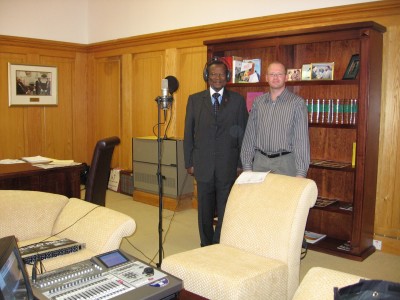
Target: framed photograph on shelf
32 85
306 72
293 74
322 71
352 67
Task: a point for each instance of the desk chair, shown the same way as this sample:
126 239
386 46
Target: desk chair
259 252
99 173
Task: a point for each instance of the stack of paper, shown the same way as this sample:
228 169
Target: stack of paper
37 159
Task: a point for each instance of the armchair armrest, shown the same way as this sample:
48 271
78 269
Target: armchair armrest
101 228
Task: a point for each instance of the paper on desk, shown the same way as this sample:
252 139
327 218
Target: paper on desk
61 162
251 177
52 165
11 161
37 159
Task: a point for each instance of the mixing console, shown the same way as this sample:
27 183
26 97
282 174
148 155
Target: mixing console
112 275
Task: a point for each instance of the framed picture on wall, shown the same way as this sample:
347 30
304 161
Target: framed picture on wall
32 85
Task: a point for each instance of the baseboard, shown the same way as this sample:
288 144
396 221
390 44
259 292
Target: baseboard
175 204
389 245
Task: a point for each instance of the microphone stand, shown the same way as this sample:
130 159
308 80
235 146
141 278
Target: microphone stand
160 186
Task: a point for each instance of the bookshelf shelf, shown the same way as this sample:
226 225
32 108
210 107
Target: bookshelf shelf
330 141
299 83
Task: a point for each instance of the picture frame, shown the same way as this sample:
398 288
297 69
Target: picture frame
322 71
32 85
293 74
352 67
306 72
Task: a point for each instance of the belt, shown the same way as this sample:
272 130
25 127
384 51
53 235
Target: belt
273 155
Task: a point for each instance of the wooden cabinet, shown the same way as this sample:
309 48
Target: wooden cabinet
331 141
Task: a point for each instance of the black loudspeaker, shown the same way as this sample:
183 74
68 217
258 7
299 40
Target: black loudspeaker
213 61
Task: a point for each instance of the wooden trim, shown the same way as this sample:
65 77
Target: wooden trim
280 22
389 244
195 35
41 44
174 204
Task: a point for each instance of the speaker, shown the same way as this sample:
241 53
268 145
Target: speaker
213 61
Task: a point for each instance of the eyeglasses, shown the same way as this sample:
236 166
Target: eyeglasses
215 75
276 74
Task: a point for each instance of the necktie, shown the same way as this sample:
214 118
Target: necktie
216 102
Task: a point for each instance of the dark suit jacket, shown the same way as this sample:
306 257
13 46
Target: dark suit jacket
213 144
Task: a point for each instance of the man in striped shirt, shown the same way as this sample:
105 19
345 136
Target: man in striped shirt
276 136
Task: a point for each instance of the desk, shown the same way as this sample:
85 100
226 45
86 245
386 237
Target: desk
24 176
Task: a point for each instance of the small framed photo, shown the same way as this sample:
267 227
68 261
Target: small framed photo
293 74
306 72
32 85
352 67
322 71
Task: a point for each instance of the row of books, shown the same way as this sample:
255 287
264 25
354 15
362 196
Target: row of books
243 70
332 111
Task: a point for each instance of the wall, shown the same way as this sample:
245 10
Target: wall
123 78
90 21
55 20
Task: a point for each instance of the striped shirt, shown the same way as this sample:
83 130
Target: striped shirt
277 126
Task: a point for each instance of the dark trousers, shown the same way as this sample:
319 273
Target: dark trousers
212 197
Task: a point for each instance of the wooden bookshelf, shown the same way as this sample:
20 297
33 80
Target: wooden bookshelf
355 185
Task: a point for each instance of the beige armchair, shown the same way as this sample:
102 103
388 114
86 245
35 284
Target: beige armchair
35 216
259 252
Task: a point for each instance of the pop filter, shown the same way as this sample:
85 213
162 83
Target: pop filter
173 84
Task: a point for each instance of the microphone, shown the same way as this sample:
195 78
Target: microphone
165 99
168 86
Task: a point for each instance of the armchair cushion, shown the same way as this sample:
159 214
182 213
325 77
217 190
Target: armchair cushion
243 275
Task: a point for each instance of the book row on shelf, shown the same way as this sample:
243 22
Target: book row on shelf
332 111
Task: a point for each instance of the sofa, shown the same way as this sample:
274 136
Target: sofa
33 217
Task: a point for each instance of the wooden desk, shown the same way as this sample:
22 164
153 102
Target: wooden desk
24 176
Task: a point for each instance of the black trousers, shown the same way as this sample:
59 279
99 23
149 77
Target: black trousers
212 197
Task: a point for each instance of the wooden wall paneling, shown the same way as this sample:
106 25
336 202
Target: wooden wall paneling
21 126
387 211
79 87
191 63
126 112
148 70
57 141
105 106
170 69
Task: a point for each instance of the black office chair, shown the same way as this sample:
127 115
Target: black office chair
99 172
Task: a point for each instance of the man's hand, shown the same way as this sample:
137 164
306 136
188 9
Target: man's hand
190 171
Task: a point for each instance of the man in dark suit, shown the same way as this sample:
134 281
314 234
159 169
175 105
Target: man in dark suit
214 127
